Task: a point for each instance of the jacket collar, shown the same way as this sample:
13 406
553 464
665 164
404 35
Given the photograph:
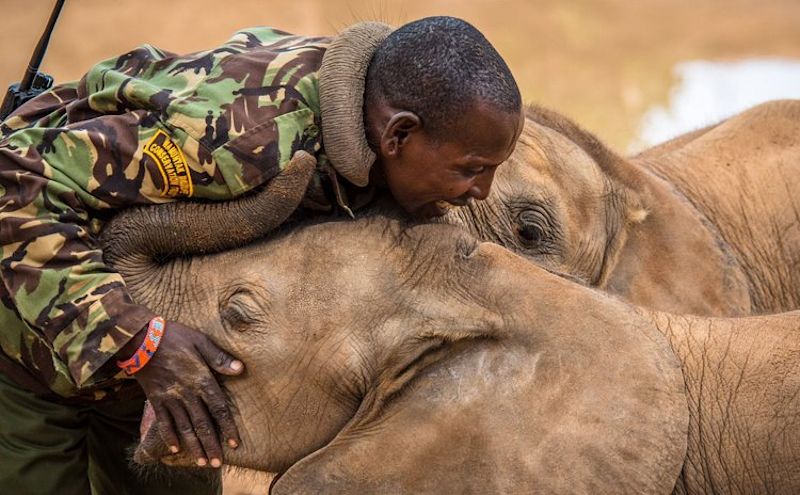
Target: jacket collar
341 98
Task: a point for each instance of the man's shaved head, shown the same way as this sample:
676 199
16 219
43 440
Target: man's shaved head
438 68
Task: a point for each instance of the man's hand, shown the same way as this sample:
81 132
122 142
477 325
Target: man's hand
189 404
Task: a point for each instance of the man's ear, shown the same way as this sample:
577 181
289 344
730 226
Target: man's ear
395 135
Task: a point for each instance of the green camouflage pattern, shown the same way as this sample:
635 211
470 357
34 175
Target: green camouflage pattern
143 128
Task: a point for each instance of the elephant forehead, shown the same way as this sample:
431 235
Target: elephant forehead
546 158
352 257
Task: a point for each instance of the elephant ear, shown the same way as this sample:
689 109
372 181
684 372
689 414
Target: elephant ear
582 405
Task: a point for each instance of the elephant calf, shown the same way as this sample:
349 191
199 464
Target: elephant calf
707 224
383 358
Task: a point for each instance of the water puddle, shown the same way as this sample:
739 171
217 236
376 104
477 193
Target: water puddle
708 92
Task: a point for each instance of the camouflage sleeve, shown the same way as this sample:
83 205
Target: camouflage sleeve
215 124
144 128
53 274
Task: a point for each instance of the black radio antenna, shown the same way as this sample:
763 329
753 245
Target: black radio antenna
33 82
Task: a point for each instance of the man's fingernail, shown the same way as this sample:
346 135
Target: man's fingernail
201 461
236 365
233 443
174 449
216 462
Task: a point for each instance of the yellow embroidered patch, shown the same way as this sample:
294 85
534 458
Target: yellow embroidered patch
170 161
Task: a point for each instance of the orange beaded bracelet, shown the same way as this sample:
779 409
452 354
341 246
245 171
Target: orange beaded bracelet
155 330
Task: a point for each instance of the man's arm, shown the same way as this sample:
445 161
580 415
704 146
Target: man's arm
53 273
141 129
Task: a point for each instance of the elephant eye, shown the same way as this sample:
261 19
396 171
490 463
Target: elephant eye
240 311
535 228
531 233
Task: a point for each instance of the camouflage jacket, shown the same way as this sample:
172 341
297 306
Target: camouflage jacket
143 128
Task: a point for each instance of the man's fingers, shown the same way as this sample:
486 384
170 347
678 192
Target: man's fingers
214 398
186 432
194 399
166 427
205 431
219 360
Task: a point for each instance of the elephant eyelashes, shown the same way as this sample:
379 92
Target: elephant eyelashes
240 311
535 227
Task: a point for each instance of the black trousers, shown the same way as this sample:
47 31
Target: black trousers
48 448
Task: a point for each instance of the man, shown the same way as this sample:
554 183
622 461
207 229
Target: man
426 112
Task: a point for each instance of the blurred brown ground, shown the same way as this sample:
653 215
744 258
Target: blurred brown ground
602 62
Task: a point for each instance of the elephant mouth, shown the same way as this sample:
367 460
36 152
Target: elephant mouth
151 448
148 418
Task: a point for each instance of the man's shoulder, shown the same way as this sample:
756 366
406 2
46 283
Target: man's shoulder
261 36
241 55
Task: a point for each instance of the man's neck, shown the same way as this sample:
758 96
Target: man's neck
376 176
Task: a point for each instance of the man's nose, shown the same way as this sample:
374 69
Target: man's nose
482 185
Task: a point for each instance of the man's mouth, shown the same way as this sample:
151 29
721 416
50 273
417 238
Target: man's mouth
445 205
458 201
441 207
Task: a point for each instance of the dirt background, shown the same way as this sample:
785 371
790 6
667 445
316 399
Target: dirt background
601 62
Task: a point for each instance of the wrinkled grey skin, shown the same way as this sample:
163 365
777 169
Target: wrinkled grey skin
706 224
417 360
333 320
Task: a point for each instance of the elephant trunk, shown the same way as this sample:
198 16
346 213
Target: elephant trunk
141 238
